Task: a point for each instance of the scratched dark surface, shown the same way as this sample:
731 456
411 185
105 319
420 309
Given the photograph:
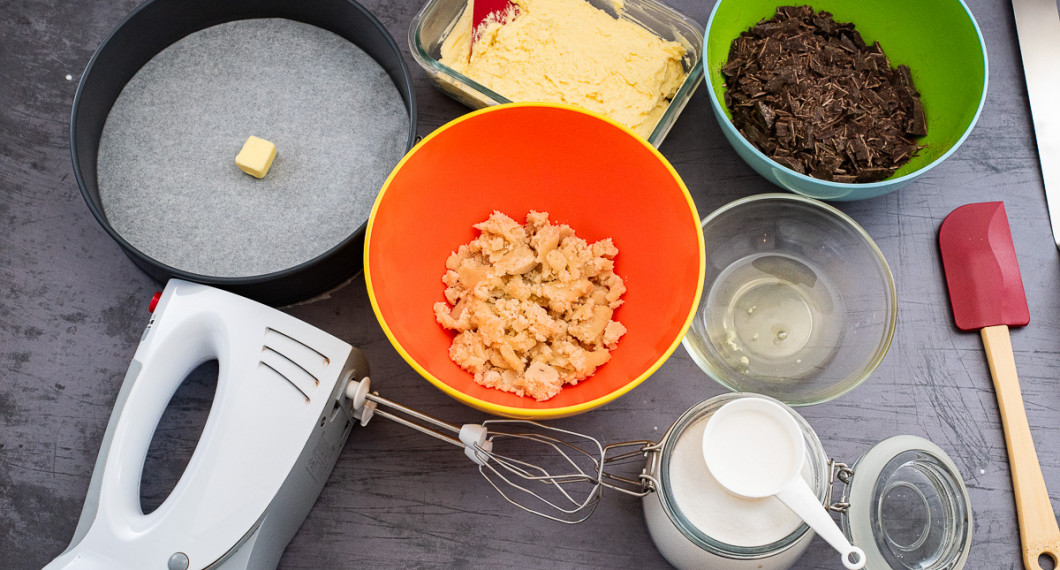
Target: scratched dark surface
72 308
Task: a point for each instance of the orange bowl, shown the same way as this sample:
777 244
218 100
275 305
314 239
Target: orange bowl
584 170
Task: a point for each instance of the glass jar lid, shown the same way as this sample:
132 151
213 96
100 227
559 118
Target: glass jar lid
909 507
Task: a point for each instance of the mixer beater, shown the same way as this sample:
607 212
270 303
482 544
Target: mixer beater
561 476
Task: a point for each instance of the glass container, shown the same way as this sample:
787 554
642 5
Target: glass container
670 516
798 302
903 502
433 23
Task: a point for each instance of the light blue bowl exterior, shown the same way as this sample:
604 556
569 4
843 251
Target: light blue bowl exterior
806 185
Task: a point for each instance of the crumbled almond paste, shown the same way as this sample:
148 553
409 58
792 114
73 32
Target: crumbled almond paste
532 304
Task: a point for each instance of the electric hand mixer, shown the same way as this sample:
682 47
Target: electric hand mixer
287 397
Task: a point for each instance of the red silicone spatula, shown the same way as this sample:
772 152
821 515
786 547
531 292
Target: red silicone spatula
986 293
483 9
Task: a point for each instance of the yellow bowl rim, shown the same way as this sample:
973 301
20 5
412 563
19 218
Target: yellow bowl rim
511 411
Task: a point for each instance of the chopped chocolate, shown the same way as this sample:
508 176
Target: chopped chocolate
809 93
766 115
918 122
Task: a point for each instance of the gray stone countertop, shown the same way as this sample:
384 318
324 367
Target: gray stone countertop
72 308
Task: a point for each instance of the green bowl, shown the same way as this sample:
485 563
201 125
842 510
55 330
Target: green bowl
939 40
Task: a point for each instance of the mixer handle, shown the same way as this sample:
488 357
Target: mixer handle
165 358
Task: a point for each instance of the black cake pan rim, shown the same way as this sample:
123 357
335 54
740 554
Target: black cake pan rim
155 25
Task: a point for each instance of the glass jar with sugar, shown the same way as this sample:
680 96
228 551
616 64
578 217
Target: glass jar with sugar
904 503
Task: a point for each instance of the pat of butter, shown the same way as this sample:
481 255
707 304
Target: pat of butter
256 156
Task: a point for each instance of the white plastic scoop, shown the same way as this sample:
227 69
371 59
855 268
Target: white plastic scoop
755 449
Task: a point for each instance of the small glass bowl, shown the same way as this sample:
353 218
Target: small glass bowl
798 302
433 23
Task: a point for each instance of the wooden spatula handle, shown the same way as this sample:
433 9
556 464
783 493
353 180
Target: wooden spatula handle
1038 529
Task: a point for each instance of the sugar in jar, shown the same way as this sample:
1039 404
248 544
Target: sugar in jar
903 502
695 523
